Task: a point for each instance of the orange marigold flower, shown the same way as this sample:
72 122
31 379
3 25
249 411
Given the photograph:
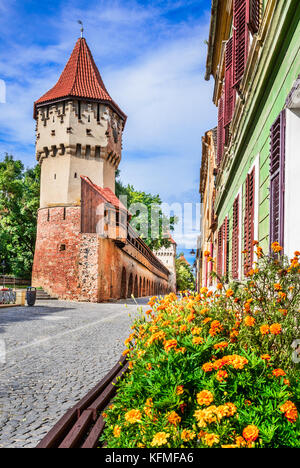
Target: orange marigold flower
265 357
229 293
203 290
179 390
249 321
205 398
275 329
117 432
161 438
297 253
276 247
240 441
206 320
220 286
187 435
277 287
278 373
170 344
283 312
196 330
174 418
197 340
251 433
125 352
133 416
221 345
208 367
265 329
290 411
221 375
206 253
182 328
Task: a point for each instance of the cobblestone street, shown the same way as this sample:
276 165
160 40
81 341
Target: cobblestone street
55 353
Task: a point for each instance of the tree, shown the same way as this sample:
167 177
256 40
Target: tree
19 202
155 235
184 276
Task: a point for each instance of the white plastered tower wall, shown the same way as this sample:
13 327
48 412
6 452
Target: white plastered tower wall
69 145
167 255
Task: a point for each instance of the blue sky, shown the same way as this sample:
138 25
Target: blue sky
151 55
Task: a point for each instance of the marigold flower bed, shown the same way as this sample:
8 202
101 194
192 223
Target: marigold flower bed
215 369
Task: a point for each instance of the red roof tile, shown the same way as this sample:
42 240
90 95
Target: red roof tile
81 79
107 194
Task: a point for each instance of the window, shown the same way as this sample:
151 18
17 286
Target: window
79 110
62 247
246 18
249 221
75 175
235 238
277 179
221 134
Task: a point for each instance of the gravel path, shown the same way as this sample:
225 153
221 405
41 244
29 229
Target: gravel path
55 353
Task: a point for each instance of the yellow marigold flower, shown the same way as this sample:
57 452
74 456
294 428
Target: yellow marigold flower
251 433
191 317
203 290
170 344
174 418
205 398
196 330
277 287
179 390
265 329
249 321
275 329
182 328
211 439
133 416
197 340
161 438
187 435
117 432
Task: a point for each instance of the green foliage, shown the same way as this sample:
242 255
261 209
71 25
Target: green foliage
151 225
19 202
184 276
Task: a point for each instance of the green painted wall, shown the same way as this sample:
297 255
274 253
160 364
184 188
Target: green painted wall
276 87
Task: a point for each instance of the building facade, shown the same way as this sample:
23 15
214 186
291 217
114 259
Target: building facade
254 58
85 248
207 241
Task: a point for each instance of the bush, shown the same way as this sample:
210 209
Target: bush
214 369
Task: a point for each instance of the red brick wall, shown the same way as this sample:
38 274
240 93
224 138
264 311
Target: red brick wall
90 267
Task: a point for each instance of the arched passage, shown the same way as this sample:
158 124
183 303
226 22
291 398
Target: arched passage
130 286
136 287
123 284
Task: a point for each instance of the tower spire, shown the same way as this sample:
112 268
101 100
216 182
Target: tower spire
82 28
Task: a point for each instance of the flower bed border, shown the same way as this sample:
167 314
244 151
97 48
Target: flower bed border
82 426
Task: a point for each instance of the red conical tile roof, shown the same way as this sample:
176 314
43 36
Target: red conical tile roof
80 79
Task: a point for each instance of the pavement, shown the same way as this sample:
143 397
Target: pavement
54 354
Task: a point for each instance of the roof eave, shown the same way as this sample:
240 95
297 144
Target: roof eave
212 33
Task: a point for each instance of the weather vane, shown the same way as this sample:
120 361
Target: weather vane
82 29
